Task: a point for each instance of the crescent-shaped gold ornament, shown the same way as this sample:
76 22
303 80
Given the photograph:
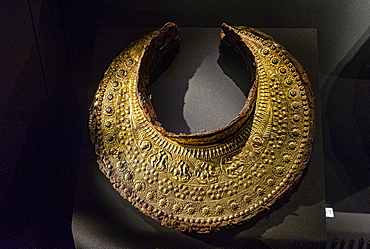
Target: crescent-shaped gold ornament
202 182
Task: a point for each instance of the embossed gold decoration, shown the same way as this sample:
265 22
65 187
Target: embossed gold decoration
202 182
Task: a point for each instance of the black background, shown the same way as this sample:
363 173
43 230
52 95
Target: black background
199 75
46 51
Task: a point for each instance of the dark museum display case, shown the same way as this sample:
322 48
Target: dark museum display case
53 194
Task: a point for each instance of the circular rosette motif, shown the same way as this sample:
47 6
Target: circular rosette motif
176 208
278 170
205 210
189 209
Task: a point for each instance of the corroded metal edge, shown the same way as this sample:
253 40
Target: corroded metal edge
216 180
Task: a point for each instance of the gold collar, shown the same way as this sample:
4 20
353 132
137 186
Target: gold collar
204 181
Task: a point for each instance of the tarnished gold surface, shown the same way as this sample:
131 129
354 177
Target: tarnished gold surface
202 182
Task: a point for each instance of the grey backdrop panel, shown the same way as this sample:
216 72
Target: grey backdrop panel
204 88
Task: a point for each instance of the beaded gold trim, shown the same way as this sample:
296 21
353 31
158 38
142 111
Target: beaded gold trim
202 186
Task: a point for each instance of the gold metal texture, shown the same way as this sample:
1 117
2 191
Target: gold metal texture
205 181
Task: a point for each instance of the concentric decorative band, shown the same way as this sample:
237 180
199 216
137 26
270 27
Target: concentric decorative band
202 182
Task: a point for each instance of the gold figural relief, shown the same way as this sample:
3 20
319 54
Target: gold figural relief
205 181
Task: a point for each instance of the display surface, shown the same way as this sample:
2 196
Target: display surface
201 182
